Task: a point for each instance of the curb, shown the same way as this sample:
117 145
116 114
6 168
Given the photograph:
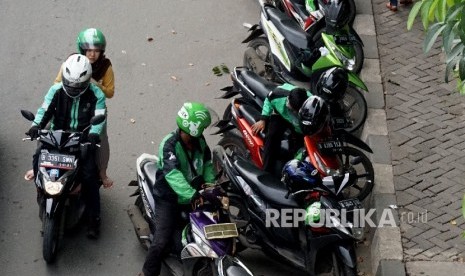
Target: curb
386 245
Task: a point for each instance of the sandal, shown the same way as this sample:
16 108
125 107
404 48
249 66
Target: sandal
391 7
406 2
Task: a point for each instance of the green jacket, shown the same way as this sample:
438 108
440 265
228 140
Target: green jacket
275 103
174 174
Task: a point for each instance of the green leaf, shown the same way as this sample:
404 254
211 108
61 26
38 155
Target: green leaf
448 36
413 14
449 67
454 11
433 32
463 204
424 13
432 10
455 52
462 91
462 68
442 10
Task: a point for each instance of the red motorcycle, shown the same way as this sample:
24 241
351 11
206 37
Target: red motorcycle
327 150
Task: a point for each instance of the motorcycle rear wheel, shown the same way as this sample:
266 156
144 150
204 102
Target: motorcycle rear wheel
261 58
340 268
50 239
365 173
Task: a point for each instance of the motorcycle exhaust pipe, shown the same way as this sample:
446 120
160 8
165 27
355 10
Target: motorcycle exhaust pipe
141 226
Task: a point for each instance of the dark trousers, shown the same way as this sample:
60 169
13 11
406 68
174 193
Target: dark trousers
167 221
276 126
88 176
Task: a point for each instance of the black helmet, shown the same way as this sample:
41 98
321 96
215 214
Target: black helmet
297 97
332 84
336 14
313 115
300 175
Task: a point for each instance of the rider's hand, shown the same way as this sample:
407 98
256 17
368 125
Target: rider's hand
33 132
94 139
196 200
258 127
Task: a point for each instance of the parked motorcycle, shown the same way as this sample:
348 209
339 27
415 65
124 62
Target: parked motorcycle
256 198
208 239
62 205
281 51
328 150
346 113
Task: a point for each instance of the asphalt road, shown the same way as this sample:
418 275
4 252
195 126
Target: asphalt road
153 79
162 53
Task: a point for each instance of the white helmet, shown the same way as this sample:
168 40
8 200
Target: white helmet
76 74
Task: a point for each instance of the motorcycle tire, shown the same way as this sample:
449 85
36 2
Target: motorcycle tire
260 58
355 108
340 268
50 239
140 205
352 11
233 144
239 215
359 54
365 172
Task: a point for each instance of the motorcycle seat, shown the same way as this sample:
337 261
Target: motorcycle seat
265 184
250 113
289 28
149 169
260 86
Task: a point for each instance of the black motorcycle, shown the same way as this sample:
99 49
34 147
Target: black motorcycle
255 199
61 202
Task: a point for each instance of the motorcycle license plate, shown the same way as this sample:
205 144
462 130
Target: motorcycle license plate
341 123
54 160
220 231
344 39
350 204
330 147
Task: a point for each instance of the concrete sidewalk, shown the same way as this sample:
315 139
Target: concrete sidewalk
416 128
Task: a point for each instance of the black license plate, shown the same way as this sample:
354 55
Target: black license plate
330 147
59 161
341 123
344 39
350 204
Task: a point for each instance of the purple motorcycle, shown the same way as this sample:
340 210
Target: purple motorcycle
208 238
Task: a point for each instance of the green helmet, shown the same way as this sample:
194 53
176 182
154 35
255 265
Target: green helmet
193 118
91 39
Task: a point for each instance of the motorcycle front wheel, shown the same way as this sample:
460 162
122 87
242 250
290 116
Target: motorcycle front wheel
340 268
50 239
354 107
355 159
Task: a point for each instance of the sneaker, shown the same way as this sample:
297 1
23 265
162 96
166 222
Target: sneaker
93 230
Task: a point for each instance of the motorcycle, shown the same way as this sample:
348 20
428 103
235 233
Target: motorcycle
278 49
335 19
208 238
328 150
346 113
259 202
62 206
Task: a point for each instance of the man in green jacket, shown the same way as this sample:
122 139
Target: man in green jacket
185 166
279 113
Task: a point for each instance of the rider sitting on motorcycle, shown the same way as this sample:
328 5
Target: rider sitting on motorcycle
279 113
185 166
69 106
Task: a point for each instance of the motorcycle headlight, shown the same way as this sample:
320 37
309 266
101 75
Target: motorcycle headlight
53 187
358 233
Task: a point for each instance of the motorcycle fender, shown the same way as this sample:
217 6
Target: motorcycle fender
354 140
50 207
256 32
346 253
355 80
355 34
232 266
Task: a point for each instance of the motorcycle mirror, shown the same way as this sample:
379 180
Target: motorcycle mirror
28 115
97 119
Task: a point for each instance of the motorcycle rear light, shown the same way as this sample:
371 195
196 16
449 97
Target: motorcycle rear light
319 230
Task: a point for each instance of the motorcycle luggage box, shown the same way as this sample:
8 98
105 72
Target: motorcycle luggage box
265 184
